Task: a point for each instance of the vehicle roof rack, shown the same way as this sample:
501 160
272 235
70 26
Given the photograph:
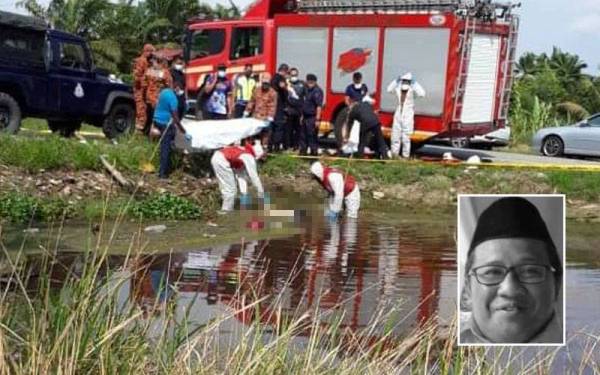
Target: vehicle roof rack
378 5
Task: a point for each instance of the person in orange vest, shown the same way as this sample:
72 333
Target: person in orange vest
233 165
157 76
342 188
139 71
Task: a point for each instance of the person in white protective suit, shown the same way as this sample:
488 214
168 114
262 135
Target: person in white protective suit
405 89
234 165
342 188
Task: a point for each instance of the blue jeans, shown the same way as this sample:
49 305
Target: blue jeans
167 138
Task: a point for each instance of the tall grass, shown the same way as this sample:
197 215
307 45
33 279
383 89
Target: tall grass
54 152
82 326
525 122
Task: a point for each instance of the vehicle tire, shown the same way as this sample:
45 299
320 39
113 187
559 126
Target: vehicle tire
460 142
119 121
64 128
338 125
553 146
10 114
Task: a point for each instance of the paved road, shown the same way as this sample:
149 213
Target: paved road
503 157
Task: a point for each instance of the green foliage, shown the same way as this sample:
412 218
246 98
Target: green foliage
583 185
166 206
22 208
55 152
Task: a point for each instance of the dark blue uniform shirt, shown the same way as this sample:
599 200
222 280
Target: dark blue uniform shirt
313 98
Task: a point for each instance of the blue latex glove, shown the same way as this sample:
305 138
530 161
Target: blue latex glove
245 200
331 216
188 137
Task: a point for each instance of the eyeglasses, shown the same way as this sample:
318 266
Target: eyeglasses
526 273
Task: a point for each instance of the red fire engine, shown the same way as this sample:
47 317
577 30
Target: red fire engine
462 54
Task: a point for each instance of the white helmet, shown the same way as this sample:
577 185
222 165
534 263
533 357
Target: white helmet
258 150
316 168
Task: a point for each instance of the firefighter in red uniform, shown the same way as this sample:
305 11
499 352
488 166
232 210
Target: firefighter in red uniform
139 71
237 163
342 188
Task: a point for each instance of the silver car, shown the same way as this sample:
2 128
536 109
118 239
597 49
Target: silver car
582 138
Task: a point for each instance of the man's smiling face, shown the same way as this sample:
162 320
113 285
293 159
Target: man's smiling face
511 311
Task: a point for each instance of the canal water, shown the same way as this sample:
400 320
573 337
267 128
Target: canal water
352 269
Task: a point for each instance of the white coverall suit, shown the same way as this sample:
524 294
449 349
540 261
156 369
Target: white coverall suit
352 200
404 116
227 177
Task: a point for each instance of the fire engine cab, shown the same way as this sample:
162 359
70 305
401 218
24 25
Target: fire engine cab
461 51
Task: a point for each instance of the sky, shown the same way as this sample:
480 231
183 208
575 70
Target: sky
573 26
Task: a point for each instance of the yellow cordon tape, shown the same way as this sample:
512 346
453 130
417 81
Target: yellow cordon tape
570 167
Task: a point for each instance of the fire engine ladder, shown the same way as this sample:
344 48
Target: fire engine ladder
323 6
509 67
461 83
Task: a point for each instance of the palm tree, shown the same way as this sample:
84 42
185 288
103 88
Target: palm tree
568 67
528 64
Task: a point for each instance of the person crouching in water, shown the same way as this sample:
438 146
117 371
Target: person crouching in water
342 188
234 165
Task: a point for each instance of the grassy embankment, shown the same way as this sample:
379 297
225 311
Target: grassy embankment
407 183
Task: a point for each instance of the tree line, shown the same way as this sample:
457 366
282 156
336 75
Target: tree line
551 90
117 31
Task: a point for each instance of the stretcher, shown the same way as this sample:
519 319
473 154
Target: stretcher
214 134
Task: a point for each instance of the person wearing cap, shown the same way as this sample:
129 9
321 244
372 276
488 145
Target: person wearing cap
262 104
362 111
342 188
142 63
177 72
405 88
218 88
279 84
311 116
356 91
167 121
512 279
233 165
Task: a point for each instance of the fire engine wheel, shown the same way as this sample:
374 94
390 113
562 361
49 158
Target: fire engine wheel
553 146
120 121
338 126
460 142
10 114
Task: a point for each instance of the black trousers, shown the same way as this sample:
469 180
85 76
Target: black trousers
378 138
276 138
238 110
292 131
308 135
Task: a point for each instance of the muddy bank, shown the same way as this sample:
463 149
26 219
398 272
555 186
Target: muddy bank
420 189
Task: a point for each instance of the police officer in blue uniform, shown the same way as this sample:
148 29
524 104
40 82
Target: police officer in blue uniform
311 112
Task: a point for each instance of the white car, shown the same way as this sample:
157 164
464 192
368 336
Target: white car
582 138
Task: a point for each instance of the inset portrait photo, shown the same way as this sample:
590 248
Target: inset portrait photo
511 255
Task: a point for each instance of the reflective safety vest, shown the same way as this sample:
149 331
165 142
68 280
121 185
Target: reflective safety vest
349 181
244 87
232 155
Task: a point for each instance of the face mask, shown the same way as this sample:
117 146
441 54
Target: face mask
221 74
358 86
178 67
405 87
265 85
294 79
